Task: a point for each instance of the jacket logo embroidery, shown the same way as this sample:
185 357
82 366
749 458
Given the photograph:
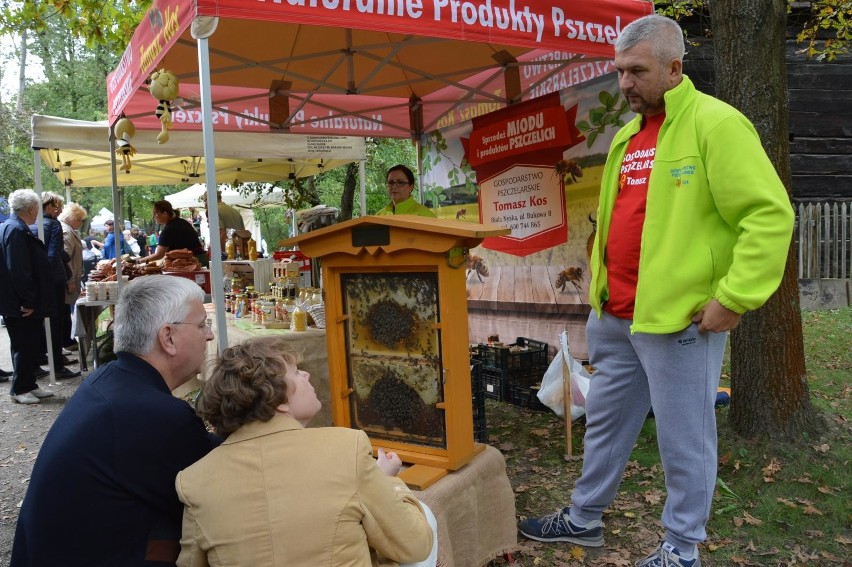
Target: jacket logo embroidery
681 174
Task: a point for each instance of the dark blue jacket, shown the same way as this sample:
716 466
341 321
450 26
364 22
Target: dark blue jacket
55 244
25 277
102 492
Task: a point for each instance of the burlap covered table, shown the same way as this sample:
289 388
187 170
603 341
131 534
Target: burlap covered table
475 509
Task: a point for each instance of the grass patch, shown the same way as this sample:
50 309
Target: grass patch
775 503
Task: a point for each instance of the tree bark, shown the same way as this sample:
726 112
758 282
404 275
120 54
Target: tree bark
347 199
22 72
769 389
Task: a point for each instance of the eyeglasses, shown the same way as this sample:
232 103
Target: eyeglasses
206 325
397 183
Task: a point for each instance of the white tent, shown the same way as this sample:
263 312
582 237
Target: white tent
78 153
99 219
192 197
82 154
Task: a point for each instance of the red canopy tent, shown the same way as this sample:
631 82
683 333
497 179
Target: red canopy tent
358 67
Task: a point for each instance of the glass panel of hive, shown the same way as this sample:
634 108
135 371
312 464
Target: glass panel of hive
393 355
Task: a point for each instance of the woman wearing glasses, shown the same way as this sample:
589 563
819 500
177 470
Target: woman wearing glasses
400 184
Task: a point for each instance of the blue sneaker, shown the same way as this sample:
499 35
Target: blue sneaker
557 527
668 555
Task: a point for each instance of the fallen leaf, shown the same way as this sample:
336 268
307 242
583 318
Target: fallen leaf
540 432
751 520
788 503
811 511
815 534
824 448
773 467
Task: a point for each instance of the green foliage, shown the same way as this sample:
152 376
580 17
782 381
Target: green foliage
432 153
609 114
680 9
109 24
829 30
16 161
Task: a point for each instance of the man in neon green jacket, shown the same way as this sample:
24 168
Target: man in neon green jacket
400 184
694 226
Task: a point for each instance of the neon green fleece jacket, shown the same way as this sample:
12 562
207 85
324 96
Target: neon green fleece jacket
718 220
407 207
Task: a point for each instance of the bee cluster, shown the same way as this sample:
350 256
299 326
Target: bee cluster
390 323
396 401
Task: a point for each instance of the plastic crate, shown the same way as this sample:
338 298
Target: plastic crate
493 384
522 356
477 387
526 396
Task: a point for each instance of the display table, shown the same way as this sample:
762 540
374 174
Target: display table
310 345
83 327
475 509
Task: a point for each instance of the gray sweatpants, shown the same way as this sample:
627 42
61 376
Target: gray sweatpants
677 374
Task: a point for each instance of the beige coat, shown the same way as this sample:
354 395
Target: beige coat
74 247
277 494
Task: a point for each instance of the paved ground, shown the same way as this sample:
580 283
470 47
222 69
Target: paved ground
22 430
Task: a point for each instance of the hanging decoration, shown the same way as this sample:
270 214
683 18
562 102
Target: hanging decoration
124 130
164 87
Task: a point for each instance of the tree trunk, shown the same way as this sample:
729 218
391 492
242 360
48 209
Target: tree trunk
22 72
347 200
769 389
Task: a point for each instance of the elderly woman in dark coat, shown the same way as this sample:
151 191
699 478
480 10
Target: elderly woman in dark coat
52 205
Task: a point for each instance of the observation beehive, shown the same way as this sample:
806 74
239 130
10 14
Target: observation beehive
396 324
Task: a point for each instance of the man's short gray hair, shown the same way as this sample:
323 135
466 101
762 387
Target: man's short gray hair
22 200
147 304
664 35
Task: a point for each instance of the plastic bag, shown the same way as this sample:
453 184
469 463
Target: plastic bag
551 393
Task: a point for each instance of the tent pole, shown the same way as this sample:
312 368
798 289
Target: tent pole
118 218
216 274
40 225
362 175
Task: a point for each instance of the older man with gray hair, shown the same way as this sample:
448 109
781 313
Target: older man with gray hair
102 488
26 296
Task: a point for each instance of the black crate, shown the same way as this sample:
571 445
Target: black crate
523 356
526 396
493 384
477 387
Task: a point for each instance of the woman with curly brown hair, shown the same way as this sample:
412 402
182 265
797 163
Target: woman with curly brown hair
275 493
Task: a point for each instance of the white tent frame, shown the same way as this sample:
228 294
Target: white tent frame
98 138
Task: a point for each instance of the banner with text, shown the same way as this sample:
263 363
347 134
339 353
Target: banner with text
514 152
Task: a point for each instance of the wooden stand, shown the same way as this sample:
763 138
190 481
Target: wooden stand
413 267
